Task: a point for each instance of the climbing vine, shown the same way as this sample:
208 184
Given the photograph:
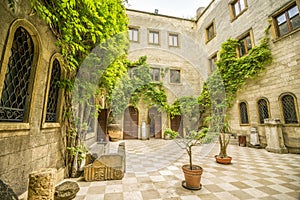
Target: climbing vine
232 74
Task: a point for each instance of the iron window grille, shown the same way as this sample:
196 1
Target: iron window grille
289 109
16 84
51 114
263 110
244 113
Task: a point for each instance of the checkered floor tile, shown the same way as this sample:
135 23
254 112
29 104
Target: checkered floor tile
154 172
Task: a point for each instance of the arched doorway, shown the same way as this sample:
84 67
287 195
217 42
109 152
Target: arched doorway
154 118
131 118
176 124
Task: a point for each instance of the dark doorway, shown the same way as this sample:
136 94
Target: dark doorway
102 125
154 122
131 118
176 124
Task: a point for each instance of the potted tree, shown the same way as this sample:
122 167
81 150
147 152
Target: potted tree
224 138
192 172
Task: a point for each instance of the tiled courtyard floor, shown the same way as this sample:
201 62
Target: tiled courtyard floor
154 172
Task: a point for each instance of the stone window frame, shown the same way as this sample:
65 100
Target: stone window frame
243 37
180 75
247 114
274 25
174 35
153 75
45 124
232 4
211 26
28 115
210 59
282 109
136 28
153 31
258 109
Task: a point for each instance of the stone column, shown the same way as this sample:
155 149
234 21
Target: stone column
42 184
275 143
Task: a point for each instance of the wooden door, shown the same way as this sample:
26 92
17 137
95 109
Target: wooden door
131 118
154 122
176 124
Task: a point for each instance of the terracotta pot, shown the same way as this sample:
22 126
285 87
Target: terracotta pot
114 132
220 160
192 177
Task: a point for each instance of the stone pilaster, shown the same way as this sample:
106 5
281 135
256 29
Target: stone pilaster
275 142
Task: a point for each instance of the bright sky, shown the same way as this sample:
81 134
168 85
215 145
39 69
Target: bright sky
177 8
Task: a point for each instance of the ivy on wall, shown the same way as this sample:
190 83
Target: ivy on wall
222 86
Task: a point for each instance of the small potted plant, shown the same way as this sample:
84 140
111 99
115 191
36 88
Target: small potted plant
224 138
169 134
192 172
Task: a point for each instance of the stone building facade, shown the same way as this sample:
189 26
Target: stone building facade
31 134
274 94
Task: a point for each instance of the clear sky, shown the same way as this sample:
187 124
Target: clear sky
177 8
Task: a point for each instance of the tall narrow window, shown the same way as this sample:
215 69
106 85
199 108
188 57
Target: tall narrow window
210 32
175 76
17 78
212 63
51 114
244 113
133 34
155 74
153 37
289 109
288 20
263 110
173 40
245 45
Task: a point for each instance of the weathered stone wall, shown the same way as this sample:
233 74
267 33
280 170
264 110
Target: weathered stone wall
185 57
279 77
29 146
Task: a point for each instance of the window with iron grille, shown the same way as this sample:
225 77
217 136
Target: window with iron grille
244 113
289 109
263 110
51 114
15 92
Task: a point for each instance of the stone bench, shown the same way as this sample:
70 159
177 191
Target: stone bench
107 167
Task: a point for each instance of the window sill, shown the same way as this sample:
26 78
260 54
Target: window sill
48 125
286 35
14 129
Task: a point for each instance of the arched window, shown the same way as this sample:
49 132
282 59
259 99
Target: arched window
52 103
244 113
16 87
289 109
263 110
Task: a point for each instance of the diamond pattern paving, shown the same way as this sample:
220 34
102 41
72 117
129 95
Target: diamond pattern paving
154 172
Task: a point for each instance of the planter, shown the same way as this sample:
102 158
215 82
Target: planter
226 160
192 177
114 132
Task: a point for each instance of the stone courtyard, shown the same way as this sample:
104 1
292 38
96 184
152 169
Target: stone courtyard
153 171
